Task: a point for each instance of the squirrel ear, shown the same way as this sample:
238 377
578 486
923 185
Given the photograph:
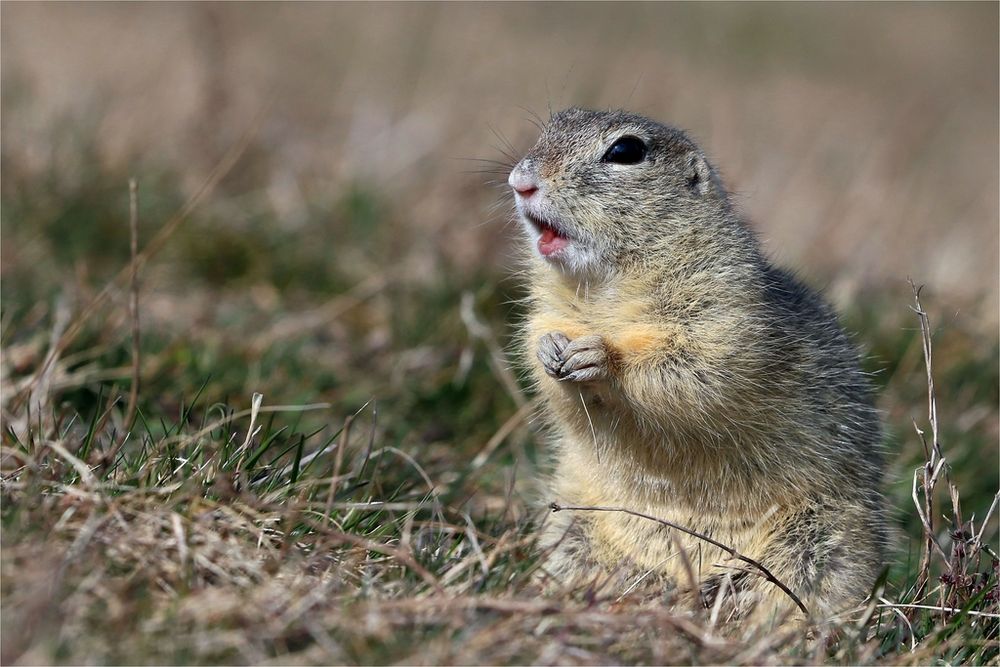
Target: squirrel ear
698 175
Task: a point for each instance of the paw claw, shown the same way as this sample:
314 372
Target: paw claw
550 352
582 360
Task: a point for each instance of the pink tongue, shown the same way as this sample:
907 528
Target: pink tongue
550 242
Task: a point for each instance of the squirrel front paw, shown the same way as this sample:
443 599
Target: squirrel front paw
582 360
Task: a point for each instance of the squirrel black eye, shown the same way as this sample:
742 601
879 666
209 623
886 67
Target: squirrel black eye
627 150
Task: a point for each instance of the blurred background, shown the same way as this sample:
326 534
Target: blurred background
347 167
861 139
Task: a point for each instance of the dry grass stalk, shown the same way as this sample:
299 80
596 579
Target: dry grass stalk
497 360
133 228
934 462
762 570
38 392
345 435
252 430
508 427
957 586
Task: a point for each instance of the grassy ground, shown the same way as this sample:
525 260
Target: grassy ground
378 505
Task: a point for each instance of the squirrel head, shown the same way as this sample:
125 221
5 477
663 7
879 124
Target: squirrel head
601 189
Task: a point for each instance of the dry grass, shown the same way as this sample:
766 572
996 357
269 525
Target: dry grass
232 538
308 229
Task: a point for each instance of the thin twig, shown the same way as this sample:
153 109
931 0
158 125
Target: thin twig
935 462
986 519
924 519
133 304
345 433
728 549
479 330
930 453
505 430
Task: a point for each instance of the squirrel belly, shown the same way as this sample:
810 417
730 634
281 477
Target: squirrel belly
684 377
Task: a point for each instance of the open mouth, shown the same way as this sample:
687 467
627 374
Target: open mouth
552 239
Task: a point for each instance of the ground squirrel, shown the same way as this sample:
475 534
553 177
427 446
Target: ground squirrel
685 377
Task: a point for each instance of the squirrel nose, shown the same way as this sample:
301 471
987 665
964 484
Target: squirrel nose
523 184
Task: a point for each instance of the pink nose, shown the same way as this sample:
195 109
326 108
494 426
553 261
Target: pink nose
523 184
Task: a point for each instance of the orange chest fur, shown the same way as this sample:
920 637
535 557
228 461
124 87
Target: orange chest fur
630 328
